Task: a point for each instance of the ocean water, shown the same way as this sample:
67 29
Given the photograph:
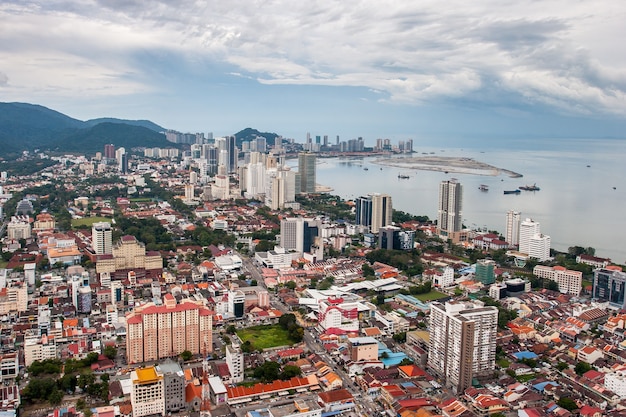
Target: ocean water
577 205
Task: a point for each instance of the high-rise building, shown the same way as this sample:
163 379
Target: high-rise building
485 271
147 395
610 285
363 207
234 360
165 331
381 211
539 247
298 234
449 215
570 282
102 238
462 342
109 151
305 181
233 154
513 219
527 229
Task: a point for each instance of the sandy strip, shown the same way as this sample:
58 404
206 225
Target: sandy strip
447 164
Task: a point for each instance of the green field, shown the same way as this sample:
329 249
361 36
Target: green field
88 221
263 337
430 296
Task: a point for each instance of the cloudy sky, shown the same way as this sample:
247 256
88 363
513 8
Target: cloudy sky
366 68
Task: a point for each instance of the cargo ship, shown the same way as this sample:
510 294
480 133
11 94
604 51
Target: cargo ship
529 187
512 191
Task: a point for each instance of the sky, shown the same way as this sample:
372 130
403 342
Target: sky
375 69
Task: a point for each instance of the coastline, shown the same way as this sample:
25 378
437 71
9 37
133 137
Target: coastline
448 164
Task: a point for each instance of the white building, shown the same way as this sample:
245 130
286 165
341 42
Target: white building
539 247
528 229
570 282
449 213
147 395
616 382
513 219
102 238
19 228
334 313
462 341
234 360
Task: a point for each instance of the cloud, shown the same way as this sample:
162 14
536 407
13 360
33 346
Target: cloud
555 52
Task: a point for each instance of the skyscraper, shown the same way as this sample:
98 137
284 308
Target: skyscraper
532 242
109 151
381 211
449 218
233 153
363 207
306 173
101 238
462 342
513 219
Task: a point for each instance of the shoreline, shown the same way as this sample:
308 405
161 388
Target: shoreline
447 164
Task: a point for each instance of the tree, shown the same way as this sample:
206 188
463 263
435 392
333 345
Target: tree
567 403
186 355
110 352
231 329
367 270
581 368
291 285
561 366
55 397
400 337
290 371
268 371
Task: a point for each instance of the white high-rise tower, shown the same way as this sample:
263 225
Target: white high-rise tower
513 219
449 215
101 238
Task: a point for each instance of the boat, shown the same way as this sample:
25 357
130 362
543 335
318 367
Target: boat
365 169
588 166
403 176
512 191
529 187
483 187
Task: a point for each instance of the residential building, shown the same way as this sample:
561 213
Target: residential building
462 341
449 213
301 235
539 247
513 219
147 395
165 331
19 228
234 360
305 179
9 367
610 285
616 382
363 206
528 228
570 282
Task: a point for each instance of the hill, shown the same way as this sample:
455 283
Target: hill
143 123
25 126
249 134
93 139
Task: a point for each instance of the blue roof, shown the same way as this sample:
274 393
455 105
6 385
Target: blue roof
525 355
542 385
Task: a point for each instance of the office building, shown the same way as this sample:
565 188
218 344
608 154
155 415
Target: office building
392 237
363 349
462 342
449 213
109 151
301 235
513 219
610 285
147 395
539 247
305 180
233 154
485 271
381 211
363 206
570 282
101 238
165 331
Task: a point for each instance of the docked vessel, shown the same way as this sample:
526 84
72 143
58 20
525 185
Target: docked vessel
483 187
529 187
512 191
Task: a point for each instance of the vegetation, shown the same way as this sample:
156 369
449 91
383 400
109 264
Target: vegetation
430 296
329 205
87 222
581 368
270 371
149 231
567 403
400 216
289 323
264 337
407 261
504 315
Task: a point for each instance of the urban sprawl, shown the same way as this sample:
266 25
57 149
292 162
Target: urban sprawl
213 279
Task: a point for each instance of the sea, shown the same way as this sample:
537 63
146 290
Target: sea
581 201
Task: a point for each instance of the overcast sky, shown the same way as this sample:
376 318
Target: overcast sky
394 69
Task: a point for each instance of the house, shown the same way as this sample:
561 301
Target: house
337 400
589 354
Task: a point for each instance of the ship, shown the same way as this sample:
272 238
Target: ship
512 191
365 169
403 176
483 187
529 187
